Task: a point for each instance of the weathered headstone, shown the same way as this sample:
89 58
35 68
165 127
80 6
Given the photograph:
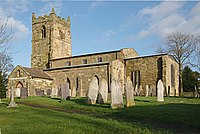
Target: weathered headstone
160 91
93 91
151 90
103 91
49 91
59 91
136 90
147 90
39 92
23 93
116 95
64 92
68 92
197 91
129 93
140 90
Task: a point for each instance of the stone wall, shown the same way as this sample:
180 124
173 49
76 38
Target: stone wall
40 84
171 75
51 38
94 58
151 69
79 78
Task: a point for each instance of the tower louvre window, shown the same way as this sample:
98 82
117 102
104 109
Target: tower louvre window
84 61
43 32
99 59
68 63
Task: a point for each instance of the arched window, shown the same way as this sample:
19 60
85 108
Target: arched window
97 78
43 32
18 73
68 84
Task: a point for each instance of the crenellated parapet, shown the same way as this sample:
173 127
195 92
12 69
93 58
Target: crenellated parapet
51 38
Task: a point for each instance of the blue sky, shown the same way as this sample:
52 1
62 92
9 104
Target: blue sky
98 26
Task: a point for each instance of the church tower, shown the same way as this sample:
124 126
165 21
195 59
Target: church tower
51 39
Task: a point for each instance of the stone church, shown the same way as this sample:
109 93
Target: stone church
53 67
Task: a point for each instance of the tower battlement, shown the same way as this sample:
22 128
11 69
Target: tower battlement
51 17
51 38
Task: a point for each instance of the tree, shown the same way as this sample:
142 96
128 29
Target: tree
181 46
194 60
5 59
190 79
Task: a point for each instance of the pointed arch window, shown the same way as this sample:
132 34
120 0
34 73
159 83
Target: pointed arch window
43 32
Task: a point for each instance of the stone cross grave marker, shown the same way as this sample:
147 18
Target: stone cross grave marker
160 91
116 95
103 91
129 93
93 91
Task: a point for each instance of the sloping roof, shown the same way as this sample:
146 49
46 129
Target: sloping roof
36 73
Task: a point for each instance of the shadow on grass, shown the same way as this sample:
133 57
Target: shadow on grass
180 118
83 101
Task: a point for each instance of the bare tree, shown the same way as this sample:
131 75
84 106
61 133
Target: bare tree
5 58
194 60
181 46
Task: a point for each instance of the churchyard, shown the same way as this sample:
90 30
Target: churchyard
53 115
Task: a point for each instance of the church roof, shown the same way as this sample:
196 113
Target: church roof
36 73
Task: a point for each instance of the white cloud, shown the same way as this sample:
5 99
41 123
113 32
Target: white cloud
167 17
57 5
17 27
95 4
11 7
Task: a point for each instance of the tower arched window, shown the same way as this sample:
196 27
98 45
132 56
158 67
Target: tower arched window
43 32
18 73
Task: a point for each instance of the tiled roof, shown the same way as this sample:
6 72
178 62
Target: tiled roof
37 73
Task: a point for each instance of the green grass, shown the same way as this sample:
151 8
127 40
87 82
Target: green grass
45 115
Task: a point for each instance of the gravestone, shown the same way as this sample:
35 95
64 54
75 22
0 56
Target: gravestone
129 93
136 90
116 95
151 90
12 102
160 91
68 93
147 90
93 91
59 92
64 92
39 92
103 91
49 91
23 93
140 90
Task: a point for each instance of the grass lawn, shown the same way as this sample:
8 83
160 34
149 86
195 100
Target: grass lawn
45 115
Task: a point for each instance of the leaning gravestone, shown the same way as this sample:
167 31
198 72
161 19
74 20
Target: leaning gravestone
160 91
116 95
103 91
93 91
129 93
147 90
